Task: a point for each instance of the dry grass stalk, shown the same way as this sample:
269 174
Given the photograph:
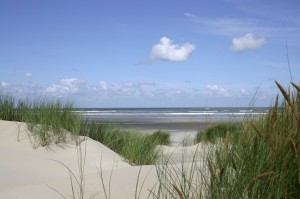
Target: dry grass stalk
296 86
275 110
211 169
219 160
221 168
257 131
284 93
227 146
263 175
268 121
294 148
180 194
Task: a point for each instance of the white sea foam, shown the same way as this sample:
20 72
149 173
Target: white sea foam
169 113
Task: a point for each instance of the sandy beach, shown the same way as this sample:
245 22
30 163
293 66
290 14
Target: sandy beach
26 172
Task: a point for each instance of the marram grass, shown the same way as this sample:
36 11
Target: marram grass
262 162
48 120
52 121
160 137
265 162
213 133
7 104
135 147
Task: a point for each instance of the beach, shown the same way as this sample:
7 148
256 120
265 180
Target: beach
44 172
28 170
80 167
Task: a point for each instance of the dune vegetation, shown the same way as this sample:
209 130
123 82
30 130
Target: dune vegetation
257 158
48 120
51 121
220 131
137 148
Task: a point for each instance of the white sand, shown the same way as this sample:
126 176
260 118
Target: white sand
26 172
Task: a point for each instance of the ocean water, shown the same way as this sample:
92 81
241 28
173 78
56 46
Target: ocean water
167 114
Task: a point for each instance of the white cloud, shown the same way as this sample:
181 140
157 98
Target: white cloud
244 92
232 26
4 84
102 89
28 75
247 42
72 85
104 85
135 93
217 90
167 50
122 88
226 26
72 82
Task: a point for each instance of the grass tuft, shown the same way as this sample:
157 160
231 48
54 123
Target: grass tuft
7 105
264 163
212 133
136 148
255 159
48 120
160 137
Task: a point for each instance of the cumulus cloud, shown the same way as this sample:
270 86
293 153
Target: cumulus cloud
72 82
167 50
104 85
75 86
4 84
247 42
217 90
244 92
122 88
28 75
72 85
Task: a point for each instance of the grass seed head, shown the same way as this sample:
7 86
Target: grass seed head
284 93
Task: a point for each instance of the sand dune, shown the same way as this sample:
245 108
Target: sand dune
26 172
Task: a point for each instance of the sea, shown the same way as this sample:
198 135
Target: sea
215 113
179 122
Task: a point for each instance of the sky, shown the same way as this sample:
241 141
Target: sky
158 53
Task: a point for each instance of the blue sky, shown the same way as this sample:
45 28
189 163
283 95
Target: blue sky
138 53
